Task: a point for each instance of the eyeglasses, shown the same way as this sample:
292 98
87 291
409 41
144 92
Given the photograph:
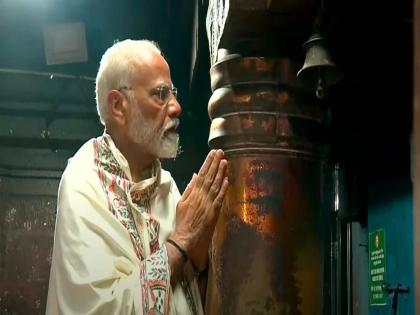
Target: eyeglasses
163 92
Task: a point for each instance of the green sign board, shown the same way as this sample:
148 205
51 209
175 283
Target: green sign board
377 267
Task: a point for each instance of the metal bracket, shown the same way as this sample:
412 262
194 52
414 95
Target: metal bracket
396 290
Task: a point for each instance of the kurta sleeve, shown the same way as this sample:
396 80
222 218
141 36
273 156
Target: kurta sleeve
94 267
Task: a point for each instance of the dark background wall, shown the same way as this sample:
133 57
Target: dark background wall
44 120
371 140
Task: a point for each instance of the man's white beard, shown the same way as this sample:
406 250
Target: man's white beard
159 142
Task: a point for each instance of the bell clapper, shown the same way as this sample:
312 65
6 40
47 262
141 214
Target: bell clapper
320 87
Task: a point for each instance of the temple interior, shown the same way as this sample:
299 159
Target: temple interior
342 163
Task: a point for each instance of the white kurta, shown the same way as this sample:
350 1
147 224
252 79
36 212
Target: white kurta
109 255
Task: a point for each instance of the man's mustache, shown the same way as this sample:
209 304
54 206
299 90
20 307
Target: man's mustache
172 124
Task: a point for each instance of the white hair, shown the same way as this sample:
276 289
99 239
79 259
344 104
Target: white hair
116 70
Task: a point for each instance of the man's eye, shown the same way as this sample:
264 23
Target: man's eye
164 94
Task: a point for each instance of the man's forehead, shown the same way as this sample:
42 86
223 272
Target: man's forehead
150 57
150 64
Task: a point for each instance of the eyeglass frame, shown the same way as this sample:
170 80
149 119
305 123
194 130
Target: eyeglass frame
160 88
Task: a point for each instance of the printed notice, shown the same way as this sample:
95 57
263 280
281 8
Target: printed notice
377 267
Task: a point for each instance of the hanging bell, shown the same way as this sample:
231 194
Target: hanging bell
319 70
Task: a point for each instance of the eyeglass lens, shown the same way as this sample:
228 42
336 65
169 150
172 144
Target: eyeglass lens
165 92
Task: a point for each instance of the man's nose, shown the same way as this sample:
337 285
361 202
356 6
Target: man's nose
174 108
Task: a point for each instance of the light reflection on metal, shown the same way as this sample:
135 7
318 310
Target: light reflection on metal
268 249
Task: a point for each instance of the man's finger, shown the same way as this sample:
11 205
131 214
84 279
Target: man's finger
218 180
212 172
206 165
189 188
219 199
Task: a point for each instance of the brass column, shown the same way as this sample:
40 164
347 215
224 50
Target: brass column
270 249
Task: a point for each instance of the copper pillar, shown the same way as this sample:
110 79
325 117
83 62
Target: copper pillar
270 246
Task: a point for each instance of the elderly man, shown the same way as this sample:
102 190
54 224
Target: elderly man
126 242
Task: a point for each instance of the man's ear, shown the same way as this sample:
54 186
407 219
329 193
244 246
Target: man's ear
117 107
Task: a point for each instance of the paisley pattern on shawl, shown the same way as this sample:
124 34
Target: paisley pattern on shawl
120 191
130 203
